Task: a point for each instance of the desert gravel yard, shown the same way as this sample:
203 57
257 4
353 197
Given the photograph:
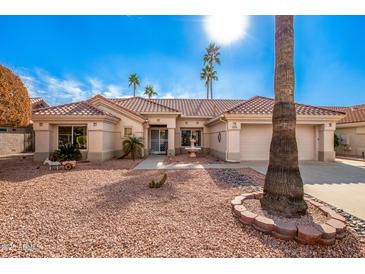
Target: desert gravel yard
108 210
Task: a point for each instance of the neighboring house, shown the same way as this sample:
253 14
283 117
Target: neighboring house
351 131
233 130
38 102
18 140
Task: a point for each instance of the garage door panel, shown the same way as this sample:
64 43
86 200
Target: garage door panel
256 139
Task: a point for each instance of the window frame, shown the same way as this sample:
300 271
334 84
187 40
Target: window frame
72 135
191 134
124 135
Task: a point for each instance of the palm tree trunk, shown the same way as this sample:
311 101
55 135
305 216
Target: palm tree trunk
207 90
283 189
134 90
211 88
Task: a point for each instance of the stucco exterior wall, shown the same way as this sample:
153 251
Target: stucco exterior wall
125 122
103 141
356 137
326 150
218 148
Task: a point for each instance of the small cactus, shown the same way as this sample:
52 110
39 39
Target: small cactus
160 183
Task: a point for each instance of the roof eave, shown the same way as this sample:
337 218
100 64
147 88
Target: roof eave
70 118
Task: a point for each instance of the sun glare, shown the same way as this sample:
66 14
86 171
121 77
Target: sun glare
226 29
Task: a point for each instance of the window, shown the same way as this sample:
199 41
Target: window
187 134
76 135
127 131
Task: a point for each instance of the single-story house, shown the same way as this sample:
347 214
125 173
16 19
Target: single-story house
38 102
351 131
19 139
233 130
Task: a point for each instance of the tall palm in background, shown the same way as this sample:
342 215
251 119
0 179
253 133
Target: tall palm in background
283 189
134 80
150 91
212 57
207 74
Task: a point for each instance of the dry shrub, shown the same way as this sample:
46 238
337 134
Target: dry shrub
15 106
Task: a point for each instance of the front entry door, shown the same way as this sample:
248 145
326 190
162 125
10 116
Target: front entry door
159 141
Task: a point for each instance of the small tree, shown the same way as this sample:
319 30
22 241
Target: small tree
132 145
15 106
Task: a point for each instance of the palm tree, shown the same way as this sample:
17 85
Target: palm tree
205 75
132 145
283 189
208 75
134 80
149 91
211 57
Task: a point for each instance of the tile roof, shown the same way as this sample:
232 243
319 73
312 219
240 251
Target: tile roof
115 103
199 107
81 108
353 115
359 106
143 105
264 105
37 100
336 108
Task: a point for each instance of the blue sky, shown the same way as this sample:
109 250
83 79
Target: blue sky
71 58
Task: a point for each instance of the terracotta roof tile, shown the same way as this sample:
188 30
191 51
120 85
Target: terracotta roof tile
264 105
143 105
336 108
353 115
199 107
37 100
118 105
81 108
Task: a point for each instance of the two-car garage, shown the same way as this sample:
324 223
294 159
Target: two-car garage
255 141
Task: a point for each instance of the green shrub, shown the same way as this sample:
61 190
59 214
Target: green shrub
132 145
337 140
68 152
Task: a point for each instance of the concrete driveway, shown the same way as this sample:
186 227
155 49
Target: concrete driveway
341 184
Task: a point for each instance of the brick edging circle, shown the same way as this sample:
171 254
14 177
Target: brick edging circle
319 233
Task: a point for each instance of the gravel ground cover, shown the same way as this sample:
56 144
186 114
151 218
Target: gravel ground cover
314 214
108 210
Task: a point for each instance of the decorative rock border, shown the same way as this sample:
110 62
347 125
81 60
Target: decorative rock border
319 233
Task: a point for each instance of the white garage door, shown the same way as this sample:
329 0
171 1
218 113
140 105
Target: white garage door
256 139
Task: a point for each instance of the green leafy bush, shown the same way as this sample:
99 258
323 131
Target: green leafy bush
337 140
68 152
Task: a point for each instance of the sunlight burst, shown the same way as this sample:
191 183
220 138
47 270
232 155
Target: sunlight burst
226 29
